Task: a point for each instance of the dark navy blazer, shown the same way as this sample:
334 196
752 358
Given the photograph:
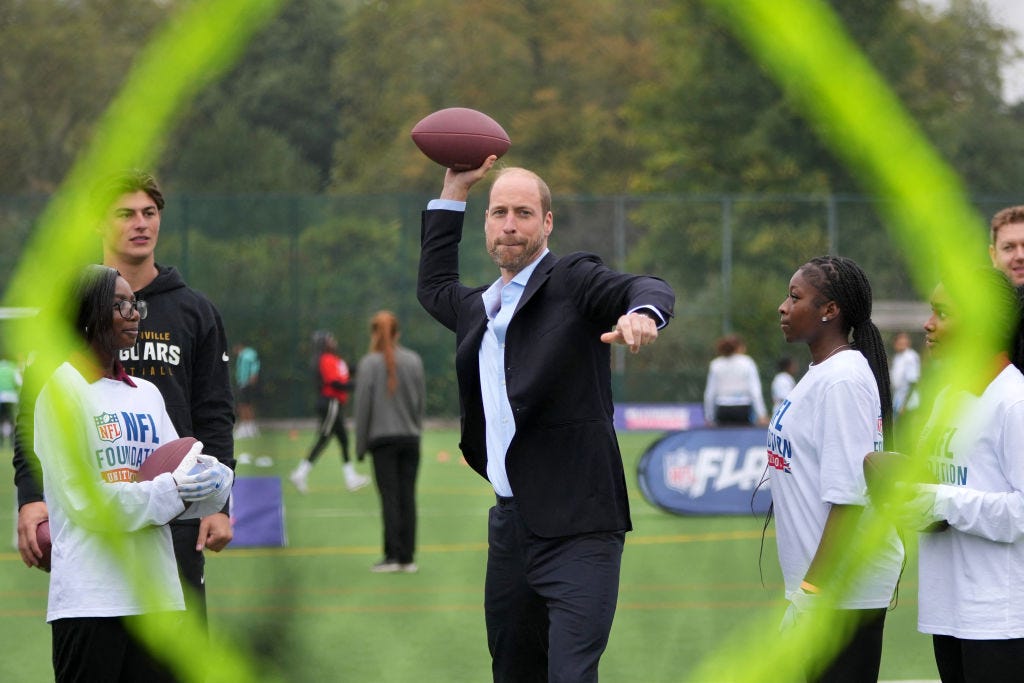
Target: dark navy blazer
564 463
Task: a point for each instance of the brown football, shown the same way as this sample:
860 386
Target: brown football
460 138
166 458
45 544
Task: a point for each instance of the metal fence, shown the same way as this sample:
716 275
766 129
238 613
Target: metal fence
279 267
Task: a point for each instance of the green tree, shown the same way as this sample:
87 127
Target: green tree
60 64
269 124
555 75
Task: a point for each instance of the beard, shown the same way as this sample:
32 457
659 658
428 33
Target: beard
513 258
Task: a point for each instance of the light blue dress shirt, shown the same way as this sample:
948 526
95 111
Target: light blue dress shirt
500 301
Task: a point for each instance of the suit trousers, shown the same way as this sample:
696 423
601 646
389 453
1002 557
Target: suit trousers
549 602
395 466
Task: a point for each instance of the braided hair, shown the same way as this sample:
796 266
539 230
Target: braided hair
841 280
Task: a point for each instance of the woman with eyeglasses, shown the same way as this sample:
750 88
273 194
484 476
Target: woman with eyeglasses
112 557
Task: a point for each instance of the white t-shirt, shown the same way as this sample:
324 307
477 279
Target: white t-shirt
971 576
903 375
782 384
117 427
817 441
733 381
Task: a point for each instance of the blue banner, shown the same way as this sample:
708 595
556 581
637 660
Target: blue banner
707 471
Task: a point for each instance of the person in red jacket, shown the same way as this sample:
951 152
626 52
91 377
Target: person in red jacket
332 379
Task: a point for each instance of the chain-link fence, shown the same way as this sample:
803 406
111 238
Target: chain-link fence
280 267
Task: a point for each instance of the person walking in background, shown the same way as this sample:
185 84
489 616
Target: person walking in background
390 398
247 378
732 395
1006 243
533 365
839 411
905 373
92 596
183 350
784 380
10 388
969 572
332 380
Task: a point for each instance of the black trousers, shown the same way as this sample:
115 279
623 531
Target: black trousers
191 567
332 423
395 467
733 415
860 659
548 602
91 649
978 661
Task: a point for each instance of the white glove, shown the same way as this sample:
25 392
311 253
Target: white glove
914 507
187 466
800 604
200 476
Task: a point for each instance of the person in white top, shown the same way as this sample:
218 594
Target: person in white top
817 438
94 427
905 373
733 391
970 596
784 380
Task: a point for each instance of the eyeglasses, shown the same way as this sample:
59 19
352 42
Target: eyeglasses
125 306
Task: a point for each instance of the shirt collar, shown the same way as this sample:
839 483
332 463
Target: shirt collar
120 375
492 295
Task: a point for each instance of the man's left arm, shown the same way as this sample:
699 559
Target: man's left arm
213 419
643 304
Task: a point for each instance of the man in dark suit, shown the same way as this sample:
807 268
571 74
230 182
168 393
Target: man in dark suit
533 365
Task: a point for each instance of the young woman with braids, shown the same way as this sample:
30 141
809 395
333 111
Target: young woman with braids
840 410
390 397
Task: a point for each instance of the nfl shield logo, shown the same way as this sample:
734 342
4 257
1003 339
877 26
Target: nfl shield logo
108 427
680 472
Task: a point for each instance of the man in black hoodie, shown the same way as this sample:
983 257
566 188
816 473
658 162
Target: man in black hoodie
182 349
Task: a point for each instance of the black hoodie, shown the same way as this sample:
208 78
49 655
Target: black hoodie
183 350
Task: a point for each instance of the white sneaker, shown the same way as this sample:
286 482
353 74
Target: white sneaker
356 482
410 568
386 567
298 478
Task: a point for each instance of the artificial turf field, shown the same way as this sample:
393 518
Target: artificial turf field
313 611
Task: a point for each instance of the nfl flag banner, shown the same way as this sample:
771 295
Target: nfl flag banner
712 471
